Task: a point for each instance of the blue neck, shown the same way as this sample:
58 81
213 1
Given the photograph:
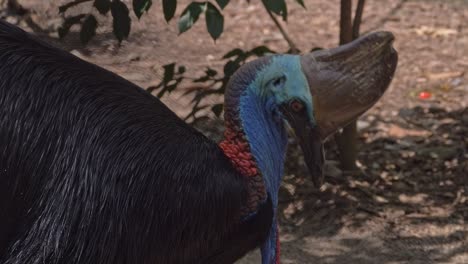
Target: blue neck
268 140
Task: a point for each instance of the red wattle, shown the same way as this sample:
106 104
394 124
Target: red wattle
236 148
238 151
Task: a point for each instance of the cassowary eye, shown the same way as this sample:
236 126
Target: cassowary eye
296 105
278 82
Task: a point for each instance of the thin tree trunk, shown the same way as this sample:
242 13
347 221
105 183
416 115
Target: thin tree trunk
347 140
346 26
347 146
358 18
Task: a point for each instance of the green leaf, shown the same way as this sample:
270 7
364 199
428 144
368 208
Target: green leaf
103 6
162 92
141 6
275 6
278 7
230 67
293 51
284 12
121 22
214 21
168 88
301 2
190 15
222 3
202 79
68 23
169 8
194 111
235 52
169 70
181 69
217 109
210 72
88 29
167 78
261 51
64 7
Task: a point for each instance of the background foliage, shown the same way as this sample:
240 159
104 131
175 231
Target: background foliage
214 83
173 73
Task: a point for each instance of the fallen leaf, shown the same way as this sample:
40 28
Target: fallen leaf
412 199
380 199
435 32
400 132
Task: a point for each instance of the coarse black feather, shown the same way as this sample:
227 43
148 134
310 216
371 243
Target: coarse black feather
95 170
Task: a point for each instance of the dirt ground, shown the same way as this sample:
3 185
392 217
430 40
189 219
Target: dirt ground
409 201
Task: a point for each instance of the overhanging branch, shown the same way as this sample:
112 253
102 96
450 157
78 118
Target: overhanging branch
286 37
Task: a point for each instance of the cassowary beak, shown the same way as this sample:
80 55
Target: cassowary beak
348 80
308 136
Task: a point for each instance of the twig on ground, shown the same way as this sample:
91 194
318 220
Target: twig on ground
368 210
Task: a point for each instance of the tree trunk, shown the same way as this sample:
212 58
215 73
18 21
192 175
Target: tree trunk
358 18
347 140
346 24
347 146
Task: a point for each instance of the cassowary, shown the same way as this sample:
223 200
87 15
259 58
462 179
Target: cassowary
95 170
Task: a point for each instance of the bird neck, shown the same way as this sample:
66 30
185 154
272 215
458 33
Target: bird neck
255 142
256 145
255 139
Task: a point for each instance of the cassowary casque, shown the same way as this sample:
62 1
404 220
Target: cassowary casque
95 170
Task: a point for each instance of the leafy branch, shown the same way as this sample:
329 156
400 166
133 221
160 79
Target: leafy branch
292 47
211 82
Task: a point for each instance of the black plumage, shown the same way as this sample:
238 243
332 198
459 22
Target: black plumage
93 169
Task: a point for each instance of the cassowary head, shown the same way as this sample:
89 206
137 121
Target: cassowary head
315 94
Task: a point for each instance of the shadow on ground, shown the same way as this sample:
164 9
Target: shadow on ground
407 204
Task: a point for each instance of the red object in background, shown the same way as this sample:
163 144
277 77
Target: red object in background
425 95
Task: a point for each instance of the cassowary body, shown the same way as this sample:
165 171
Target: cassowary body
92 166
94 169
